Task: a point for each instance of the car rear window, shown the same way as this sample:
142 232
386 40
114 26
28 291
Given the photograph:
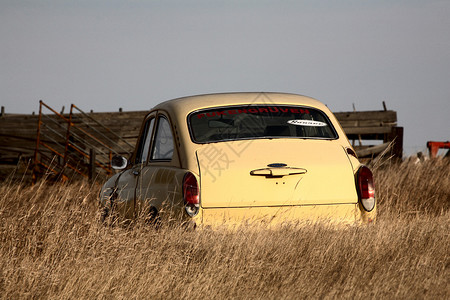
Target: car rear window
260 121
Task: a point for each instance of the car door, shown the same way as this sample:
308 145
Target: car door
127 181
157 182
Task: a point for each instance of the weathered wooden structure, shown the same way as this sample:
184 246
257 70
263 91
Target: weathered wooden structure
75 144
81 144
372 132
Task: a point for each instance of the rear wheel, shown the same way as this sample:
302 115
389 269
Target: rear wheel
153 218
108 214
104 214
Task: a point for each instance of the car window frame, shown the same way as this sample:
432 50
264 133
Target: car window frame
153 144
141 142
191 135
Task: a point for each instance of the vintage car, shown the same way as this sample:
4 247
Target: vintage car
241 158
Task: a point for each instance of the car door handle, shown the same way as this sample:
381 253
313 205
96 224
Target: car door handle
278 172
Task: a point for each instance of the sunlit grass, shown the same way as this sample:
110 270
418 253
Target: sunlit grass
52 246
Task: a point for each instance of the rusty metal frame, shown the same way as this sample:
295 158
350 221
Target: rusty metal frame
103 126
70 146
433 147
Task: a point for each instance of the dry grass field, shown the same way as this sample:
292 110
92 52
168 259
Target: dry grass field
52 246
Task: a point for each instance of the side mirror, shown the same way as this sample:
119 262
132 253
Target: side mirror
119 162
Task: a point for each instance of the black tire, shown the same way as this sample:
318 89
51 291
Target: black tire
107 216
104 214
153 218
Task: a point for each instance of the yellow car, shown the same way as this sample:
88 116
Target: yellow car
241 158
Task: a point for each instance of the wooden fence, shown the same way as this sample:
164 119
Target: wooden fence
370 132
19 138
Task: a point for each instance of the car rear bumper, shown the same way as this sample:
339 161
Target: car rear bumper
342 214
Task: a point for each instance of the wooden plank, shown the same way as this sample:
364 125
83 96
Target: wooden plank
367 130
19 144
371 150
24 118
366 123
15 123
15 149
365 137
388 116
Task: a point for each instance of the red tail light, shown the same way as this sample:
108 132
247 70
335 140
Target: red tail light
191 194
366 188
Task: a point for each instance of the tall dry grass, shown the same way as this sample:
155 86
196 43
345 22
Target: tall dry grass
52 246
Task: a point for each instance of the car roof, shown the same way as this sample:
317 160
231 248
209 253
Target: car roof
185 105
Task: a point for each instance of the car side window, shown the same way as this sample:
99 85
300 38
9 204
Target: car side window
144 144
163 146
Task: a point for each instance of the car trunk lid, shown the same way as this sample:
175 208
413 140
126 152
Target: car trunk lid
275 172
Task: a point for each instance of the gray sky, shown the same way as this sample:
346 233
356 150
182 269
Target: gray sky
107 54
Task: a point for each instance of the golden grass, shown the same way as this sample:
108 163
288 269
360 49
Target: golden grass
52 246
